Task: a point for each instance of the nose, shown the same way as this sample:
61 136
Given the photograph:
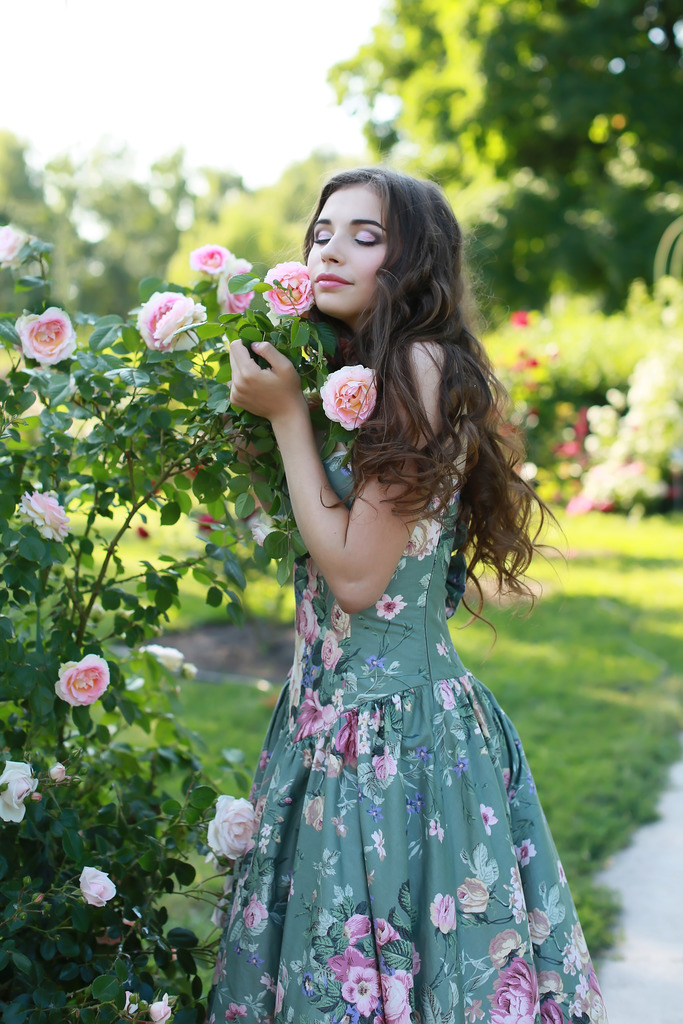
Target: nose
332 251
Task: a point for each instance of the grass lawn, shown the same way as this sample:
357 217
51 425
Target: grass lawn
593 679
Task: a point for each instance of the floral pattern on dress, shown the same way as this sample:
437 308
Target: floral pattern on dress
402 868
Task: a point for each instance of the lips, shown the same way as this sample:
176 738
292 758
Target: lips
330 279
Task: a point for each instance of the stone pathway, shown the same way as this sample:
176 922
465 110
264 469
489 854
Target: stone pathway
642 977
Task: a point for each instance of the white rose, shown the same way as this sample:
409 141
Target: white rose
96 886
170 657
57 772
11 244
230 832
16 783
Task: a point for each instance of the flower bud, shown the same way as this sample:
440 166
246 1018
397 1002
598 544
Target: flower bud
57 772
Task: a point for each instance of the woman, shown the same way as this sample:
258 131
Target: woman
402 869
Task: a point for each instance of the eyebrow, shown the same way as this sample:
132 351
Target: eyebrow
357 220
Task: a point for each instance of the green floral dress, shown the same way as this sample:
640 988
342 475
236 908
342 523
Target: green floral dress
402 868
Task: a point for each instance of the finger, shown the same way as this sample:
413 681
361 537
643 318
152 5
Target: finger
271 355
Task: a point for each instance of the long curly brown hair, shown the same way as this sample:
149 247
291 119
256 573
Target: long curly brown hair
420 296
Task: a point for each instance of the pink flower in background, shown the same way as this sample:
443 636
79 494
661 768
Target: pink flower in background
442 913
57 772
520 318
230 831
12 242
48 338
42 510
96 886
228 302
212 259
18 782
294 295
349 396
164 315
388 607
160 1011
260 525
516 996
82 682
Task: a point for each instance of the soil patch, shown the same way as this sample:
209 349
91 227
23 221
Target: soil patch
256 650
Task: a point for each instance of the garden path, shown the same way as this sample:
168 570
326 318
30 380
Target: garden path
641 976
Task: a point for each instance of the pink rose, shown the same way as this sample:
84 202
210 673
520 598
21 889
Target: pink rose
447 696
516 995
356 928
362 989
235 1011
384 932
442 913
230 831
16 783
82 682
11 244
349 396
385 766
254 913
211 259
48 338
306 622
295 293
164 315
342 963
396 996
42 510
160 1011
228 302
331 651
96 886
313 815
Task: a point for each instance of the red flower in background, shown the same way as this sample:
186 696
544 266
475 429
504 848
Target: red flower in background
520 318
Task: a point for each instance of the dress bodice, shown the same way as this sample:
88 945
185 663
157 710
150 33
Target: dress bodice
341 658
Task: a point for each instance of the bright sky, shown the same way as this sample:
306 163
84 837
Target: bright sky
241 84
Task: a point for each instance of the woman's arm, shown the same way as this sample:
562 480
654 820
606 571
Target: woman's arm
357 549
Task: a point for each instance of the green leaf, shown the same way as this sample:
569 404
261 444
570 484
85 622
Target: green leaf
214 597
81 917
245 505
107 330
73 845
9 333
240 284
105 988
21 962
250 333
202 797
27 283
284 569
138 378
148 286
170 513
122 970
208 330
31 548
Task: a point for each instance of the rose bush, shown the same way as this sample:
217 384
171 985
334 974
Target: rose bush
106 425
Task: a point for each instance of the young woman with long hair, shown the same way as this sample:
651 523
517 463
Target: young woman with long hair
401 868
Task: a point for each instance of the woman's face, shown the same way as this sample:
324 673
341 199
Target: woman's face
349 247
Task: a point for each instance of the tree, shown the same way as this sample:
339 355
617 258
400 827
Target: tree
555 126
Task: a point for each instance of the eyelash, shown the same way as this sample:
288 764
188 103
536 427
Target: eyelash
324 241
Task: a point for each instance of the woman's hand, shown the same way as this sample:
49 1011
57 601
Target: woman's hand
275 392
